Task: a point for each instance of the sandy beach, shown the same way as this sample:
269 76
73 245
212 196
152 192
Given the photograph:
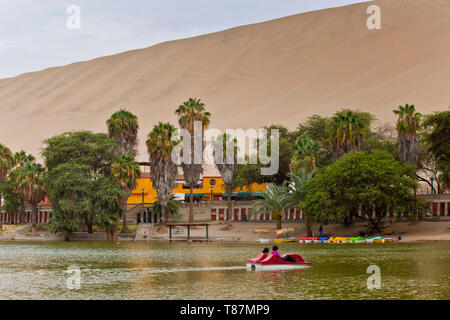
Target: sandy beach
423 231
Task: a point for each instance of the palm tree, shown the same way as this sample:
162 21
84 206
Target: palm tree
21 158
173 206
296 194
407 126
274 201
125 171
30 186
160 143
305 154
347 131
123 127
188 113
225 155
6 163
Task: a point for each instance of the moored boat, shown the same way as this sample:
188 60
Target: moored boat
283 240
309 240
270 262
357 240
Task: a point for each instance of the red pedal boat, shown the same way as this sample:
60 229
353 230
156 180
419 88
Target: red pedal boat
269 262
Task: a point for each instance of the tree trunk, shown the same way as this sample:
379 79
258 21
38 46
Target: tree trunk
228 188
33 217
88 224
108 233
279 223
163 215
307 225
114 232
22 214
191 204
124 210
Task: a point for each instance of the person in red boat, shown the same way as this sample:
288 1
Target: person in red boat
286 258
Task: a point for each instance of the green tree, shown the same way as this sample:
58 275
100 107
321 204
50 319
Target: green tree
361 180
123 127
437 133
173 206
188 113
125 171
296 194
6 163
305 156
408 124
273 201
76 162
13 200
30 187
347 130
160 143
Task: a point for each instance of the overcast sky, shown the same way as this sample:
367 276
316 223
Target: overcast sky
34 34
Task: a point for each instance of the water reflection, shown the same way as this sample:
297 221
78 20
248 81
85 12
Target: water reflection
217 271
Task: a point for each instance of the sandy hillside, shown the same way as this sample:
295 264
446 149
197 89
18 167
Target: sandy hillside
280 71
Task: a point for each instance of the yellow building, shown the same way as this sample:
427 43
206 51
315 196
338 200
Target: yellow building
207 188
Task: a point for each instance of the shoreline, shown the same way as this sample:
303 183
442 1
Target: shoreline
242 232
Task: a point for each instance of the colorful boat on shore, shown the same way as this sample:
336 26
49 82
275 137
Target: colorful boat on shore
309 240
357 240
284 240
339 240
269 262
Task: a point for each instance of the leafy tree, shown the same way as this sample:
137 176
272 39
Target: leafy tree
347 131
296 194
437 133
306 151
173 206
273 201
6 163
30 186
77 162
188 113
361 180
160 143
407 126
13 200
123 127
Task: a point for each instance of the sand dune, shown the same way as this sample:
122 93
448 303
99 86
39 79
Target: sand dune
279 71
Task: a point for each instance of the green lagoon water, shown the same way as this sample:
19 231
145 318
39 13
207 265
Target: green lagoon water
217 271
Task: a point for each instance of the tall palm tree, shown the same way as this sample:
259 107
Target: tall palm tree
6 163
408 124
188 113
347 131
225 155
125 171
296 194
160 143
123 127
30 185
274 201
305 155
